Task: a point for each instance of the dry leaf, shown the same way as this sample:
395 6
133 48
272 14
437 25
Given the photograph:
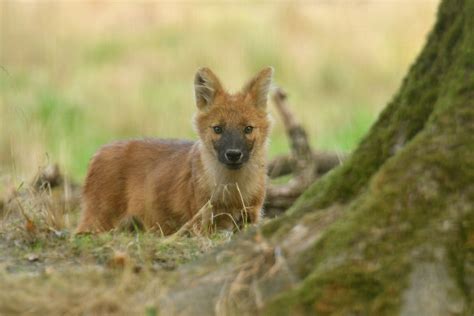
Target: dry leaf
119 260
30 226
32 257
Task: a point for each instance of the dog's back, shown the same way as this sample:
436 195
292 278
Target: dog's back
122 177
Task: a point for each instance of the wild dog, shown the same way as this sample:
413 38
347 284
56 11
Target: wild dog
164 183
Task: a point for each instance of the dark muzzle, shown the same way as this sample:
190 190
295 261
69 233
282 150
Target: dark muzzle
232 149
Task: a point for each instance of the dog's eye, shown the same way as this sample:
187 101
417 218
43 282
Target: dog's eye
248 129
217 129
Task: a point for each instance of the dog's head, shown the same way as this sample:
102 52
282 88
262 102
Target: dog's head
232 127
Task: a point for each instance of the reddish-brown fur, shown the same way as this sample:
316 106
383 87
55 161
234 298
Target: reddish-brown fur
164 183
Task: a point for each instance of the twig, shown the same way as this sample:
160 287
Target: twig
304 164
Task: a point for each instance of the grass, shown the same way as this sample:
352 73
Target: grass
75 75
126 71
46 269
46 248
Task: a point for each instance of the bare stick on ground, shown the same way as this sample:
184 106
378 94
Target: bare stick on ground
303 163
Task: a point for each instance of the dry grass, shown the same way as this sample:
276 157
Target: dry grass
86 291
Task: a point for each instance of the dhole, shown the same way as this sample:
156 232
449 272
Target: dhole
164 183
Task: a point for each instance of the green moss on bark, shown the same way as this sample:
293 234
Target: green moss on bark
410 213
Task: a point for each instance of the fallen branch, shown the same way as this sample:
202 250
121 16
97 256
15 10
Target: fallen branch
302 163
285 165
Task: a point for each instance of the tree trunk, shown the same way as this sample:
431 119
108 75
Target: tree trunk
391 231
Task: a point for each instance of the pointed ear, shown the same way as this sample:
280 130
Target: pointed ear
206 87
259 86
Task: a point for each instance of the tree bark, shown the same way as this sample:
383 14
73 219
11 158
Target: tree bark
389 232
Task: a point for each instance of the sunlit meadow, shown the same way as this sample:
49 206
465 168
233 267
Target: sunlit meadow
75 75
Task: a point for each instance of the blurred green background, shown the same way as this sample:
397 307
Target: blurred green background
75 75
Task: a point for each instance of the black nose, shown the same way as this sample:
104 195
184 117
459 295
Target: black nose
233 155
